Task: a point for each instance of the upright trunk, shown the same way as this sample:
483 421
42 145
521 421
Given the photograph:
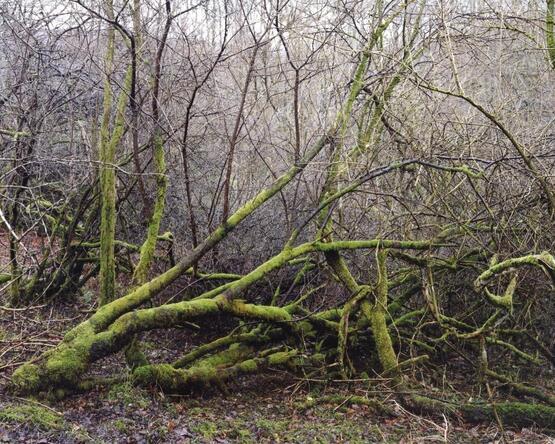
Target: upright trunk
549 35
107 176
136 45
147 250
376 313
109 140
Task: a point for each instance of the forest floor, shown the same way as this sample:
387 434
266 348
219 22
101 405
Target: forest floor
261 412
266 408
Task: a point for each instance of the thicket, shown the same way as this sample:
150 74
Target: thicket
364 190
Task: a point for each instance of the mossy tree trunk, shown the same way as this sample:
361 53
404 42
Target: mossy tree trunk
147 250
109 141
549 34
377 314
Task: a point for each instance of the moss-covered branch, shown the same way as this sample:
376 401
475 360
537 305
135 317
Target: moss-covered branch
13 133
63 366
216 370
523 389
513 414
544 261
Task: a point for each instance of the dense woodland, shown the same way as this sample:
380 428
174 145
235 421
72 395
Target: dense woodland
338 190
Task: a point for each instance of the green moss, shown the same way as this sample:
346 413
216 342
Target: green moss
108 145
239 432
545 261
505 301
129 395
172 380
254 336
163 375
207 429
272 428
382 339
344 328
34 415
134 355
234 361
196 411
523 414
377 316
120 425
67 363
26 378
280 358
234 354
512 414
248 366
